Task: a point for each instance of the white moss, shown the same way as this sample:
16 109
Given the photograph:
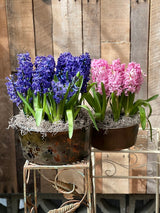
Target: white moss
124 121
27 124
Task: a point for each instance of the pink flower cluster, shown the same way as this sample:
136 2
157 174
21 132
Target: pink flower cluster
115 77
133 78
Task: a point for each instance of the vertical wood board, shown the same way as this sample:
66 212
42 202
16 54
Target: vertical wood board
8 177
98 172
4 48
139 39
115 43
139 54
112 51
67 27
114 164
154 56
138 186
45 186
73 176
43 23
43 27
138 165
115 16
67 37
91 28
20 29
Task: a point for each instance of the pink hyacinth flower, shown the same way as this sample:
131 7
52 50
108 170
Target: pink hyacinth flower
116 77
99 70
133 78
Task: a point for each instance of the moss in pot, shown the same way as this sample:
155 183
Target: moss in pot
113 101
50 94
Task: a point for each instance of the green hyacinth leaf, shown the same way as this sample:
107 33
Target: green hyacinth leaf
90 115
27 104
152 98
96 101
104 102
38 116
142 117
70 122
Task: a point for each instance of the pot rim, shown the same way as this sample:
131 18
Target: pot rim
114 128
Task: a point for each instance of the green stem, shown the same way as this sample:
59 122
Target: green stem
46 108
127 106
58 115
27 104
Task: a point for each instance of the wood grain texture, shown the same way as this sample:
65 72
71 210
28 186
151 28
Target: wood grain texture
44 46
154 56
4 48
111 165
98 172
45 186
8 177
113 50
139 54
20 29
67 37
115 43
43 27
91 28
73 176
115 16
139 39
67 27
138 186
138 165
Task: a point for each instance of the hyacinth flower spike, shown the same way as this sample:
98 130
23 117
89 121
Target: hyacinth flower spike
51 92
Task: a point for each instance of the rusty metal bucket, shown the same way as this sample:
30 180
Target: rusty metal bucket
56 149
114 139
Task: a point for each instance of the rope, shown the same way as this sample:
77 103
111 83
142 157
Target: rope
66 188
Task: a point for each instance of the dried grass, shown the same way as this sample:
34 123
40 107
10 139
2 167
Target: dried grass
27 124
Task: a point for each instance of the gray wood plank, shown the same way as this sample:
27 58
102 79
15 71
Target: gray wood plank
154 56
67 27
8 176
91 28
139 39
43 27
4 48
20 29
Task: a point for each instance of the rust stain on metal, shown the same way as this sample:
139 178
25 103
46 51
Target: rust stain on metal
57 158
56 149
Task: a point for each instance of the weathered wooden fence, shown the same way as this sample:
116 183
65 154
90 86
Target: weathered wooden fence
125 29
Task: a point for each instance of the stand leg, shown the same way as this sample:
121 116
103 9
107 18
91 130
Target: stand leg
24 190
157 186
93 181
35 191
89 210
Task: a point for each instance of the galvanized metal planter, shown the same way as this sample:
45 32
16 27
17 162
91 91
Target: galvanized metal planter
56 149
114 139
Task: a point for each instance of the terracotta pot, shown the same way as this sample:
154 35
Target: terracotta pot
56 149
114 139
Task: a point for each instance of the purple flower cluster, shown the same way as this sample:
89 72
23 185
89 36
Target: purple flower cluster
59 90
23 78
38 77
43 74
12 91
24 74
68 66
